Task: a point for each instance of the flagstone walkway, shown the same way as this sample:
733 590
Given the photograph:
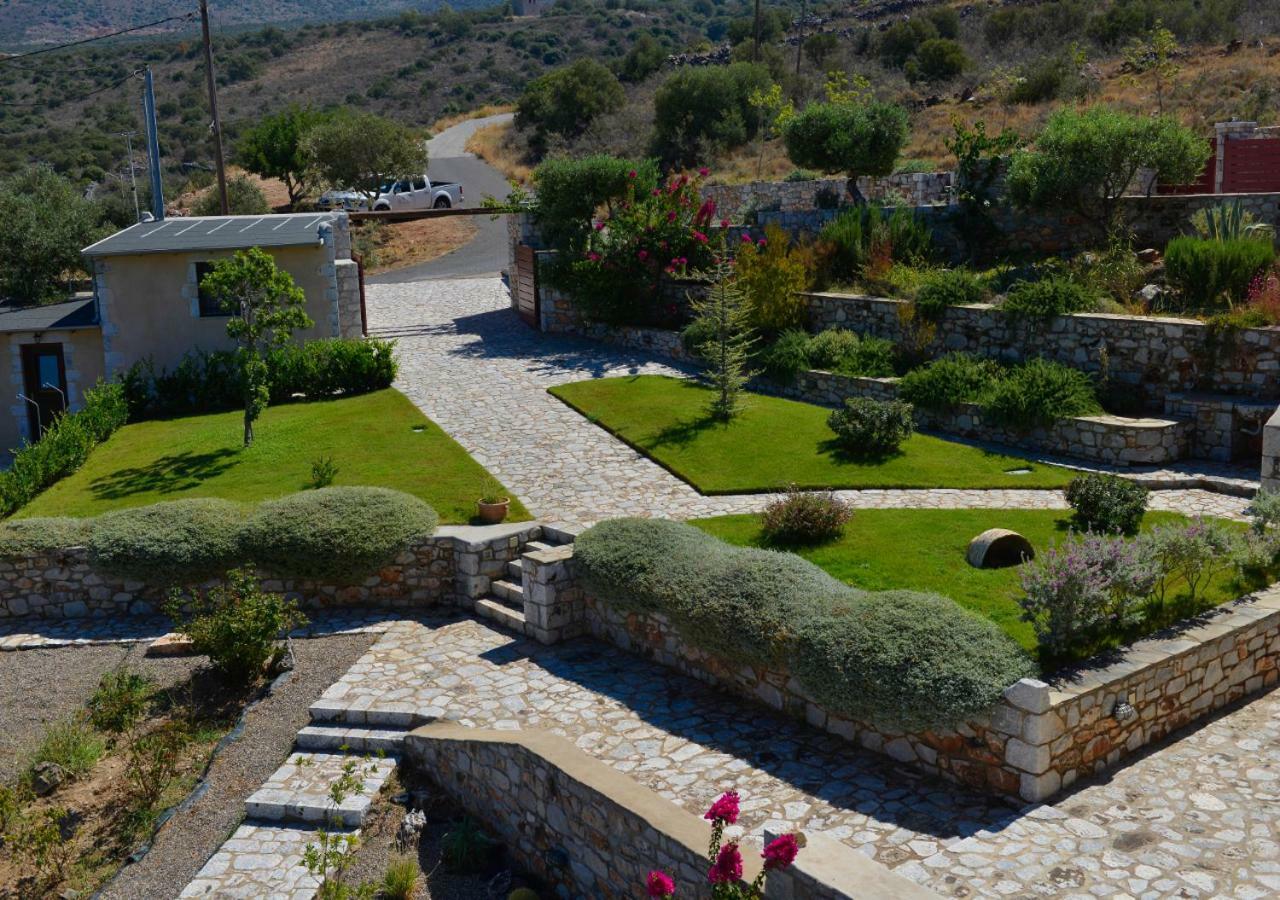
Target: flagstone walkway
469 363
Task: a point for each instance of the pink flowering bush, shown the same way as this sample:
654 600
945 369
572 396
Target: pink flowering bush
725 857
652 234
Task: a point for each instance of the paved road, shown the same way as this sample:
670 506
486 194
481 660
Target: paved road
486 254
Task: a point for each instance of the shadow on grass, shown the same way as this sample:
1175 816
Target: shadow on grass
843 455
165 475
685 432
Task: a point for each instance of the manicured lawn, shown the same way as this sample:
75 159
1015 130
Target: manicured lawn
777 442
378 439
924 550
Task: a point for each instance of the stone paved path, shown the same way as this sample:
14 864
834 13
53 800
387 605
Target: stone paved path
476 370
1192 818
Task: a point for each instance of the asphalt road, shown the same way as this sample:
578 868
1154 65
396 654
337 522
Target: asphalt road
486 254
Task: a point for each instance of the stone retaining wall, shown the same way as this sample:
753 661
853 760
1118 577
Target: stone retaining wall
742 202
454 566
561 316
1271 454
1041 737
589 831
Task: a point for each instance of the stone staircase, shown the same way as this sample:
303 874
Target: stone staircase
504 602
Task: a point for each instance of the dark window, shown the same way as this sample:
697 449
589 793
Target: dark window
209 307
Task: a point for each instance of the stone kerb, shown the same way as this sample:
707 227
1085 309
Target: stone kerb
589 830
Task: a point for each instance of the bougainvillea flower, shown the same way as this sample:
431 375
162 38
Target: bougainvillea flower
660 885
781 852
728 866
725 809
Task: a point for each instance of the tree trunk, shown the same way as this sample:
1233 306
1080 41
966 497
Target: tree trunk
248 426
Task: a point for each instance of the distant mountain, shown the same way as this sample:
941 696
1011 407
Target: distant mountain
28 23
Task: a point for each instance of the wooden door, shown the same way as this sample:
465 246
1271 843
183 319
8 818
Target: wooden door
525 286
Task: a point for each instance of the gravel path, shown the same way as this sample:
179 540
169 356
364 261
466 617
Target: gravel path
39 687
191 836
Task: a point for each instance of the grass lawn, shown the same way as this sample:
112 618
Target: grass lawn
378 439
777 442
924 550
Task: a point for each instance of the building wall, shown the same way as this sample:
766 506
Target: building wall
149 303
82 353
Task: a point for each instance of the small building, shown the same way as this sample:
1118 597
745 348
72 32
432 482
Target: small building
147 304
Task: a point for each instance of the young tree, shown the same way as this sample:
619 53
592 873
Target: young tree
1084 161
1154 54
849 137
244 197
566 101
722 315
363 151
266 306
275 148
44 224
704 110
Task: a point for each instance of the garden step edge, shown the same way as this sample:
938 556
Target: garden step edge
356 740
492 608
510 591
299 790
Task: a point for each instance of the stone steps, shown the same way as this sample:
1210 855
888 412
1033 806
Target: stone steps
298 791
333 738
391 715
515 571
498 611
260 860
510 593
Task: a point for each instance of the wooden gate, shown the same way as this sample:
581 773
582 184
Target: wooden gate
524 285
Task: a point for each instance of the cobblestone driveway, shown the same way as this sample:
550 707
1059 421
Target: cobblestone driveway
482 375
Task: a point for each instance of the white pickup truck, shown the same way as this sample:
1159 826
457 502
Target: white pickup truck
418 192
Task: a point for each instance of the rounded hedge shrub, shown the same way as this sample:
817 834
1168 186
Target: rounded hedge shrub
874 357
907 660
178 542
1107 503
1039 392
22 537
805 517
949 287
950 380
338 533
1052 296
787 356
1215 274
829 348
868 427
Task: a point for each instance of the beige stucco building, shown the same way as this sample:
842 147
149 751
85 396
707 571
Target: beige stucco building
147 304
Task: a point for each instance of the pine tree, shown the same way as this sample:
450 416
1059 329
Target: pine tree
722 315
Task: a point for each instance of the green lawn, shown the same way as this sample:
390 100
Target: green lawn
378 439
777 442
924 550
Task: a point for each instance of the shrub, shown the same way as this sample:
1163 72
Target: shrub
787 356
1107 503
21 537
829 348
949 287
774 273
871 427
895 659
805 517
695 335
565 101
570 191
1052 296
400 880
72 744
341 533
63 448
1084 590
1045 79
1115 273
1211 274
177 542
1190 555
849 138
235 624
1039 392
1264 511
873 357
949 381
244 198
938 59
702 109
120 700
850 241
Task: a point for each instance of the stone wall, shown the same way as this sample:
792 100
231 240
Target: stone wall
1040 737
454 566
589 831
560 315
1271 454
741 202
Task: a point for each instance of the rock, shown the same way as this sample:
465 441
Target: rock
997 548
45 777
171 644
1149 294
410 830
1148 256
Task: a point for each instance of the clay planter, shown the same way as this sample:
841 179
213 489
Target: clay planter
493 513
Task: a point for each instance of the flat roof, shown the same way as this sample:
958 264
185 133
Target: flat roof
186 233
81 312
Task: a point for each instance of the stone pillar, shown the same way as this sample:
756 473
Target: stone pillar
1271 453
553 600
347 281
1037 726
1227 131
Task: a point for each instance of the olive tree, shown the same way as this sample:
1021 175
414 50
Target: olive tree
266 307
44 223
856 138
566 101
1085 160
363 151
275 147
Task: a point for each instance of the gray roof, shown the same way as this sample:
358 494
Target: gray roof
186 233
81 312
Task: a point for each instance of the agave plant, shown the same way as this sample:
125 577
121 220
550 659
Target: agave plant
1228 222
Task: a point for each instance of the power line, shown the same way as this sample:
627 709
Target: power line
101 37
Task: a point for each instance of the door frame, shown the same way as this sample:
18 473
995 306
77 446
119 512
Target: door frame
30 372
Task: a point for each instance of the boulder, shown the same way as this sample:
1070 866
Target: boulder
45 777
1148 256
997 548
171 644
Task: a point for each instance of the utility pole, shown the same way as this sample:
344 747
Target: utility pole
755 51
133 180
153 147
213 107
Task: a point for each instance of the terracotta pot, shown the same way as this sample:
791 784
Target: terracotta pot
493 513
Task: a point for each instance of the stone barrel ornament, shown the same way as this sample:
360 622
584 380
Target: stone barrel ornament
999 548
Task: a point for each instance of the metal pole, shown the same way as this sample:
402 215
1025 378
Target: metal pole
213 108
153 147
133 179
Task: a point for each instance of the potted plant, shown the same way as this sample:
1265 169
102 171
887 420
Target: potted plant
493 504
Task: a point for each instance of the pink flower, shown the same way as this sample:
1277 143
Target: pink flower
727 868
643 254
761 242
671 216
593 256
704 171
725 809
599 226
699 237
781 852
684 260
724 223
746 238
657 192
660 885
631 174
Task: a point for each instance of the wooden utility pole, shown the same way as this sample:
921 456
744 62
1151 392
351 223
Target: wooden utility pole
213 107
755 52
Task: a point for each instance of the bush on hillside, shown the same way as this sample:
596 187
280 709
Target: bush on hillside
948 287
178 542
949 381
1107 503
334 533
829 348
786 357
567 100
938 59
867 427
63 448
895 659
1213 274
847 138
701 110
1052 296
848 243
244 198
1039 392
